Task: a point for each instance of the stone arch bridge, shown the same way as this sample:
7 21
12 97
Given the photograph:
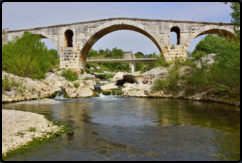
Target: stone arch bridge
73 41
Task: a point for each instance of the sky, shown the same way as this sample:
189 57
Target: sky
20 15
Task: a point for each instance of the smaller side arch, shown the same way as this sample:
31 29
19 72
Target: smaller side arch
219 31
176 29
69 38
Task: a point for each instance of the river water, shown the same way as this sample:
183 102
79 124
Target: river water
126 128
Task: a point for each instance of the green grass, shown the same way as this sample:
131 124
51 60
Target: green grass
32 129
69 75
105 76
9 83
159 85
76 84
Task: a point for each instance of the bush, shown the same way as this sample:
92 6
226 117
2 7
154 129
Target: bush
88 65
159 85
69 75
105 76
199 77
189 91
27 56
76 84
9 84
98 70
88 70
173 77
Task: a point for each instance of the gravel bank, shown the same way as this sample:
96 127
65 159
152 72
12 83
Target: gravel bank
16 125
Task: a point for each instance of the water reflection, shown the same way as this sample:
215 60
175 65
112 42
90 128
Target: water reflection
138 129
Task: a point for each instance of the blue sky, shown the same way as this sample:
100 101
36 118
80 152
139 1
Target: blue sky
19 15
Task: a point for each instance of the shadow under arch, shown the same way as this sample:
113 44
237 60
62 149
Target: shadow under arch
94 38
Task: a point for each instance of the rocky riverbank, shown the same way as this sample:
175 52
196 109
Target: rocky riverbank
28 89
84 86
144 90
19 128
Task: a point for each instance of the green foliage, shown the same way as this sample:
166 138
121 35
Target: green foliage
98 70
198 54
69 75
82 71
145 68
211 44
88 70
92 53
199 77
32 129
159 85
235 6
115 53
9 84
88 65
27 56
170 84
76 84
189 91
172 79
86 78
105 76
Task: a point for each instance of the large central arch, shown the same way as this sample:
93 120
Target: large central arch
95 37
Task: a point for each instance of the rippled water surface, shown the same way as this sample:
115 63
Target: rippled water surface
121 128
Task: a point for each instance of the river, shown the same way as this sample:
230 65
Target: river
126 128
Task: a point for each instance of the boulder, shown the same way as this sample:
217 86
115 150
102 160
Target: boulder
136 90
108 87
159 72
83 90
89 76
208 59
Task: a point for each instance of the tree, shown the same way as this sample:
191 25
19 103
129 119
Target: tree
92 53
101 51
208 45
27 56
235 15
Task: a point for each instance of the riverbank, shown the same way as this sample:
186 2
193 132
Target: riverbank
20 128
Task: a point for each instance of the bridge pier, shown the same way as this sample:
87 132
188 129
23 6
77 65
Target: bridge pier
132 67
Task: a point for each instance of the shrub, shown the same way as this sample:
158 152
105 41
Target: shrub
86 78
189 91
88 70
8 84
105 76
159 85
88 65
98 70
82 71
69 75
32 129
199 77
27 56
76 84
173 77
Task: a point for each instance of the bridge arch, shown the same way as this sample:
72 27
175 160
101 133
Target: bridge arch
176 29
111 27
69 38
225 31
